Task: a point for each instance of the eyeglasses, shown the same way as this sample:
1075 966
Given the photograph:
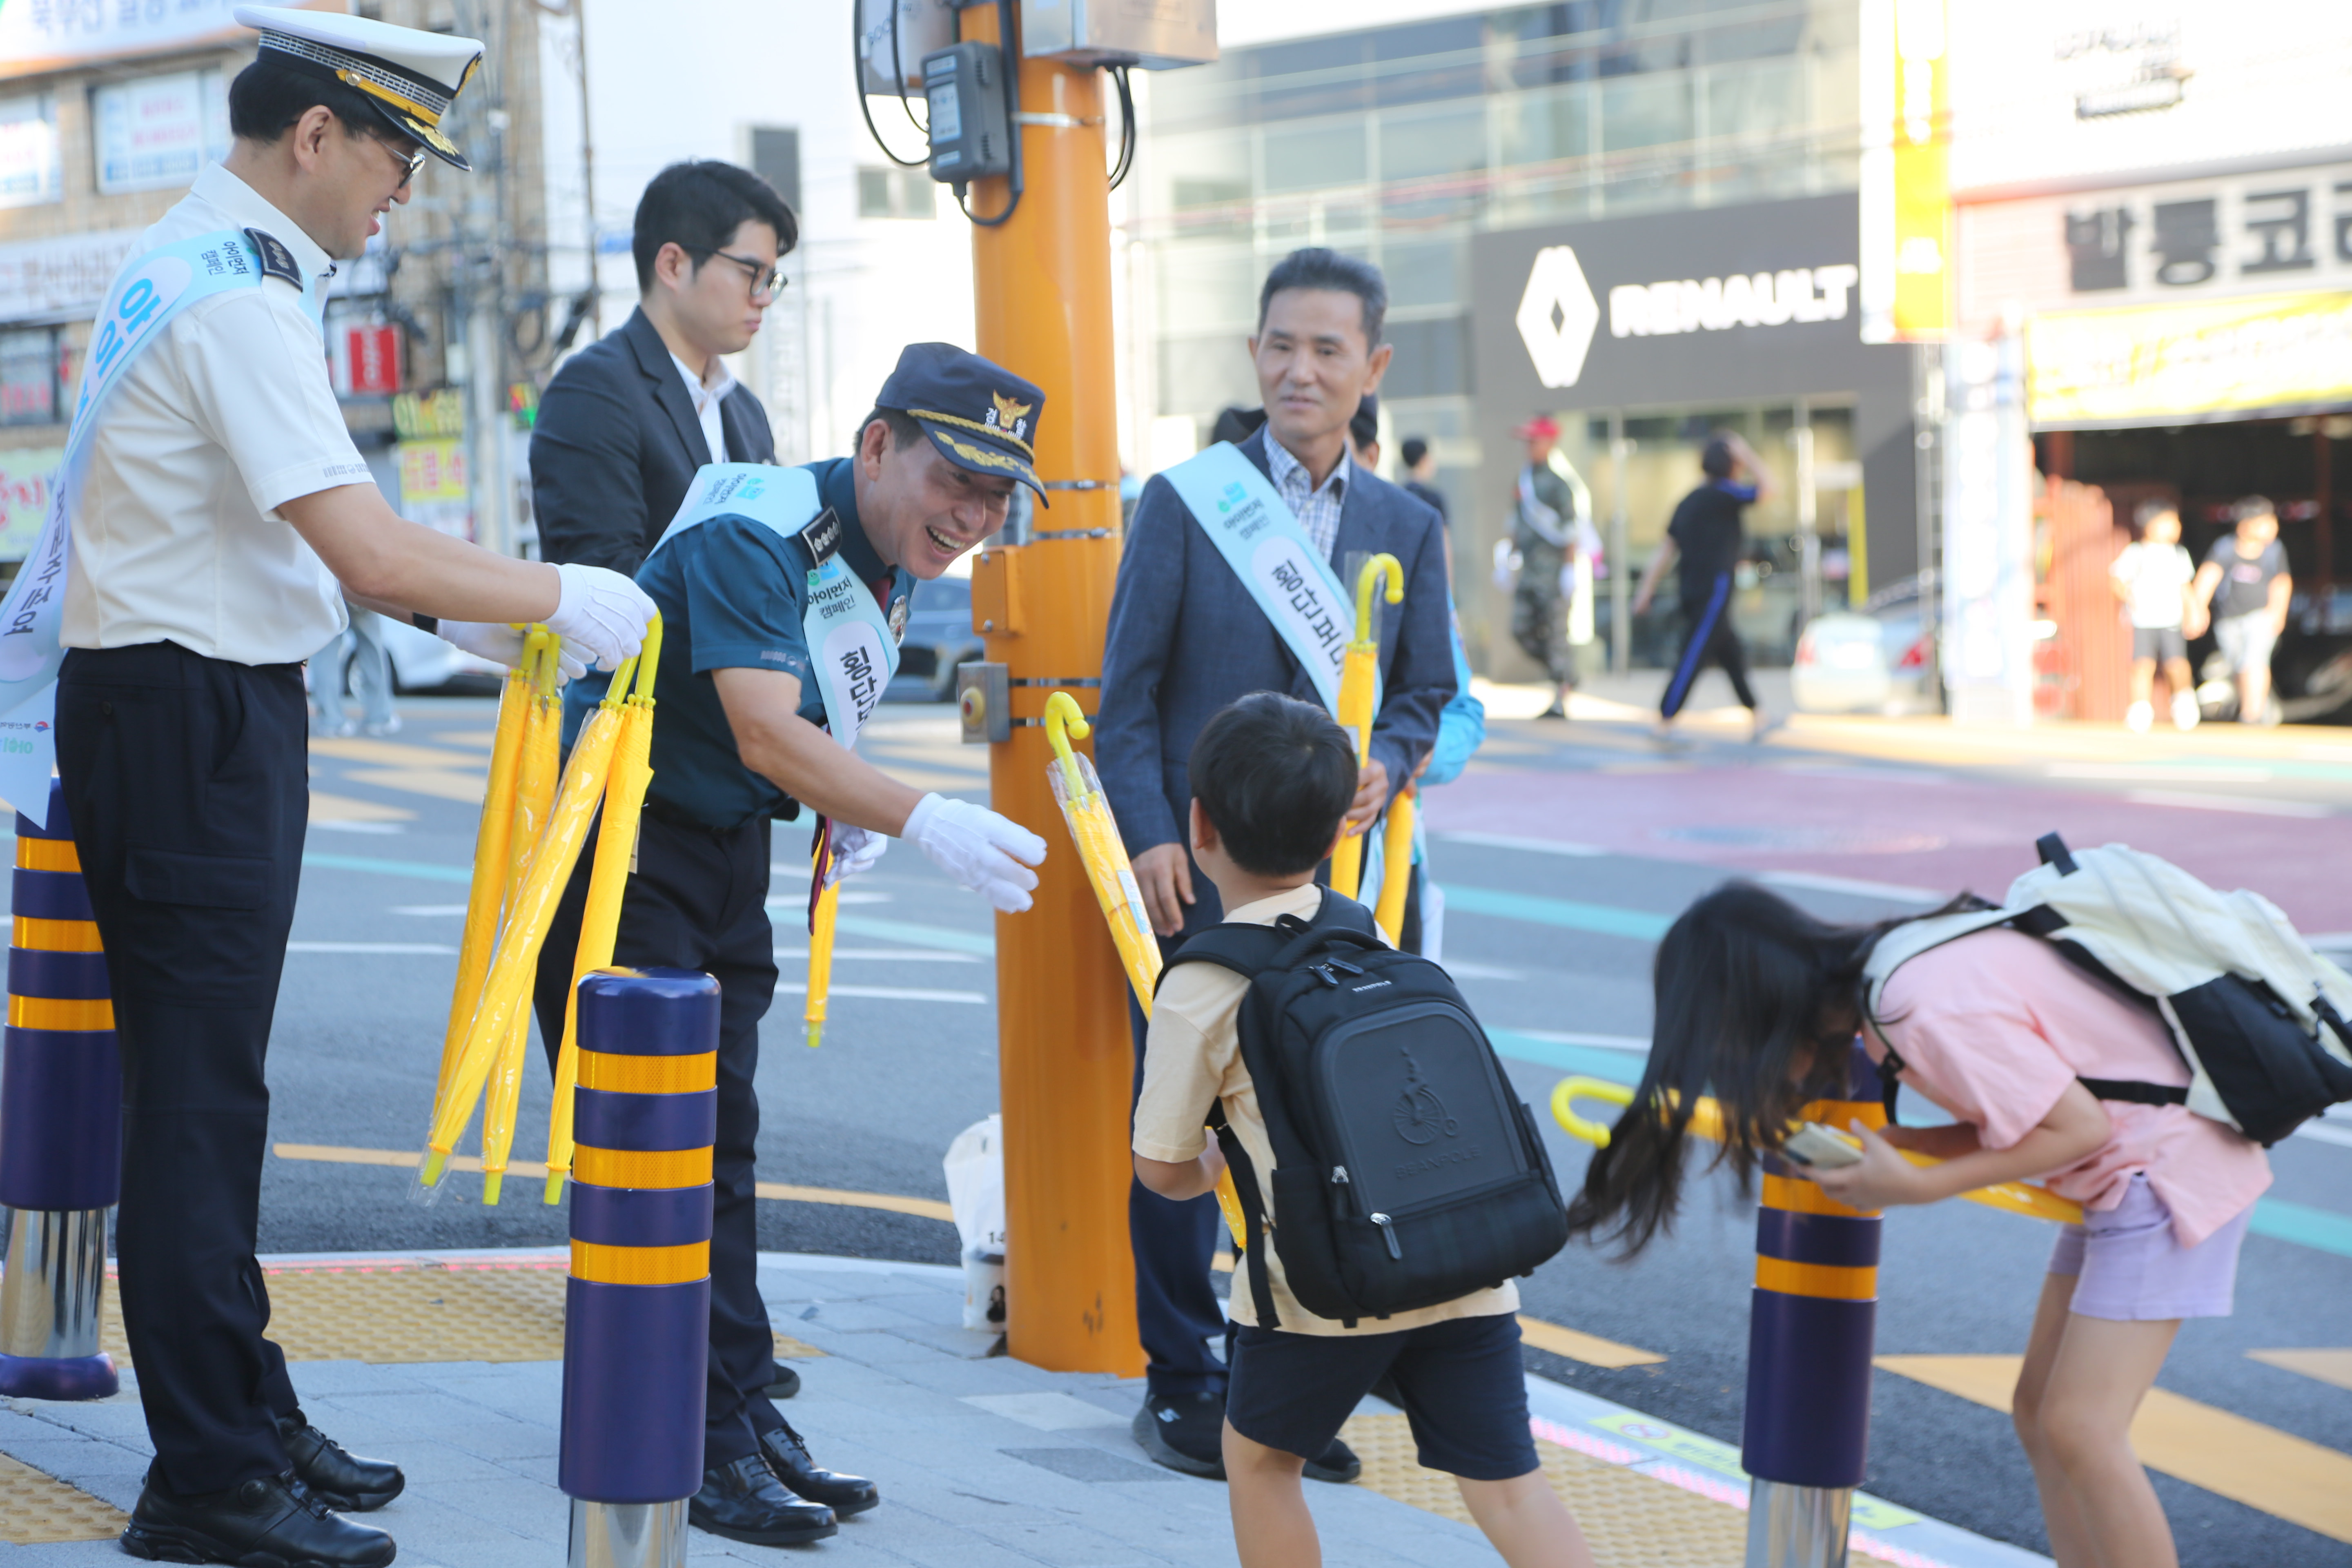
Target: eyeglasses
409 162
764 278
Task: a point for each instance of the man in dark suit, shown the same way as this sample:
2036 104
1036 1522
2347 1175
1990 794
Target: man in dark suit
1185 639
628 419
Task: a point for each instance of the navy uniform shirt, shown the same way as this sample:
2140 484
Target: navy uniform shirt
731 594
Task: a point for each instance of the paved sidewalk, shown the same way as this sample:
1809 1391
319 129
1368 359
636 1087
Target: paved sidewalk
983 1461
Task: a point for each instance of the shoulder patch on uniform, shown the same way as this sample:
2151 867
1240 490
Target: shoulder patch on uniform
823 537
277 261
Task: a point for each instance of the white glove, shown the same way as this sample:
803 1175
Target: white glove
854 849
985 853
502 644
602 613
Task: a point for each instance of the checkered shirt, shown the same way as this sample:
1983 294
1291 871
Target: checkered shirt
1317 507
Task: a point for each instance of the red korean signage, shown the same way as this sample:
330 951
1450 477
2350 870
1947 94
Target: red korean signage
375 361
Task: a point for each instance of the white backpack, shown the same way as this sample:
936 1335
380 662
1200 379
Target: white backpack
2258 1015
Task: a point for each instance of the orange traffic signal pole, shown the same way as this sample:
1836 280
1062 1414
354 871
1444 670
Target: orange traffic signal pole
1066 1059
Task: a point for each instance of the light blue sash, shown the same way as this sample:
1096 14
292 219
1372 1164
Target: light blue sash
146 297
848 636
1246 519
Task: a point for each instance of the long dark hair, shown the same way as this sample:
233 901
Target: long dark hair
1756 1004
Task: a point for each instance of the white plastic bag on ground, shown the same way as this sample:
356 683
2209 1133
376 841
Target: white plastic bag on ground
975 1172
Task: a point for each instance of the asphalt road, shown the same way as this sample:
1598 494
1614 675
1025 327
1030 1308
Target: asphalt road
361 1018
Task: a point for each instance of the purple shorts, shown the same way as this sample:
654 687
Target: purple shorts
2130 1267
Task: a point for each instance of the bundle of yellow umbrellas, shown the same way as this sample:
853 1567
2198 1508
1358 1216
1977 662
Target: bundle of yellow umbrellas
533 827
1086 812
1359 684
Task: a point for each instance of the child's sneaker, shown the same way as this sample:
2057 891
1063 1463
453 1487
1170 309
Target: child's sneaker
2138 716
2185 711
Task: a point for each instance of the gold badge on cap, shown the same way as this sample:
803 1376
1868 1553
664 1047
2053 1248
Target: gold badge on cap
1007 415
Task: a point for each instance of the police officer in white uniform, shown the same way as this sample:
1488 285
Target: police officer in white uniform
224 514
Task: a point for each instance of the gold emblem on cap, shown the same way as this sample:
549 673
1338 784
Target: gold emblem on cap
1010 414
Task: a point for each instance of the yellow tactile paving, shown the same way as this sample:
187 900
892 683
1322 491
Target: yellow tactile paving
399 1311
2245 1461
38 1509
1632 1520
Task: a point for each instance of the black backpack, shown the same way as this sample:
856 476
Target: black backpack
1407 1171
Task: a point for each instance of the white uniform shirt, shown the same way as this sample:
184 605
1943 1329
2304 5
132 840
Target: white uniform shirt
706 399
227 416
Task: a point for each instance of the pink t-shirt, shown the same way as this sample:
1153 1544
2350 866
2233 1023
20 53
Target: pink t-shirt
1994 1026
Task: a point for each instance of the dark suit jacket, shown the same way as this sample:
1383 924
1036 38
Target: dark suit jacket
617 443
1186 638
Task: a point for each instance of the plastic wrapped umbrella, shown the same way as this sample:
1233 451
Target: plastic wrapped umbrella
1396 866
486 898
535 788
608 876
530 910
1359 680
1086 812
824 907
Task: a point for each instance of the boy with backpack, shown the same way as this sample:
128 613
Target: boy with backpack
1365 1114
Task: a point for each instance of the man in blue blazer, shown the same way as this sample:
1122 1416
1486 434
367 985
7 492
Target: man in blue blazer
1185 639
628 419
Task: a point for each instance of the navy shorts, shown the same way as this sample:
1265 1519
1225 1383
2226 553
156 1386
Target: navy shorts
1464 1386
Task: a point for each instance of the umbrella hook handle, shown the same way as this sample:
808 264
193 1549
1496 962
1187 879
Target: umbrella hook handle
1063 721
1368 582
1571 1089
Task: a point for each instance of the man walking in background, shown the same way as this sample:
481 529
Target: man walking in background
2245 586
1420 475
1543 536
1708 535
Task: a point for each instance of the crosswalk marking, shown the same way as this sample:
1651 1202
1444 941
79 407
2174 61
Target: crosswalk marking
2328 1366
2245 1461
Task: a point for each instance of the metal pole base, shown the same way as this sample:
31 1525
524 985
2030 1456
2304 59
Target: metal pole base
1797 1527
51 1295
627 1534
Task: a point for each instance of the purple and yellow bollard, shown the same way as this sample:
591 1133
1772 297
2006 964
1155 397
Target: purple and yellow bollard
60 1125
1812 1321
637 1311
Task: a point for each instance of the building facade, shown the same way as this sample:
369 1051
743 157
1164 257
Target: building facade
1679 152
108 113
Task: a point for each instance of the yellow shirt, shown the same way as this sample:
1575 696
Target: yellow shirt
1192 1057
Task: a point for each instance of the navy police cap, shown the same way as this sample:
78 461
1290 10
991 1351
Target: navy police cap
980 415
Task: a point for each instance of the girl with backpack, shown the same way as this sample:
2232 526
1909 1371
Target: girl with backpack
1757 1004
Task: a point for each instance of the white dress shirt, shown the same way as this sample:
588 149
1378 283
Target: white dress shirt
1316 506
229 415
707 397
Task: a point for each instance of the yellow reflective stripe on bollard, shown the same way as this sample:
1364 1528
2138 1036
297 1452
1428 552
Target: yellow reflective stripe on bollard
63 1013
1799 1195
1819 1280
603 1264
636 1168
54 936
47 855
649 1075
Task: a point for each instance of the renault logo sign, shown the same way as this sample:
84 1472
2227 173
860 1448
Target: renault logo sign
1557 316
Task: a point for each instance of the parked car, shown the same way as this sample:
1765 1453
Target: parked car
1873 659
939 637
2311 668
422 662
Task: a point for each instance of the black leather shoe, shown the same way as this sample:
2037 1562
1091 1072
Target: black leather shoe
744 1501
1185 1432
787 1455
273 1523
782 1381
344 1481
1337 1462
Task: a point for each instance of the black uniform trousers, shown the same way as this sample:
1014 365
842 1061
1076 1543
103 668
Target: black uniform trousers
187 782
697 899
1177 1315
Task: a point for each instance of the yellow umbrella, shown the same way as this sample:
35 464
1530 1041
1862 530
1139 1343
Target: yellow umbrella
1396 866
1358 679
820 970
529 913
1706 1121
608 877
1095 831
486 897
1100 849
535 788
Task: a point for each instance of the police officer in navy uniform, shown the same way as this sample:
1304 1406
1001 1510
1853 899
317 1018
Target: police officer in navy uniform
740 739
224 516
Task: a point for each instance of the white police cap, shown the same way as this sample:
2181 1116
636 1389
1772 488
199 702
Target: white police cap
411 77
